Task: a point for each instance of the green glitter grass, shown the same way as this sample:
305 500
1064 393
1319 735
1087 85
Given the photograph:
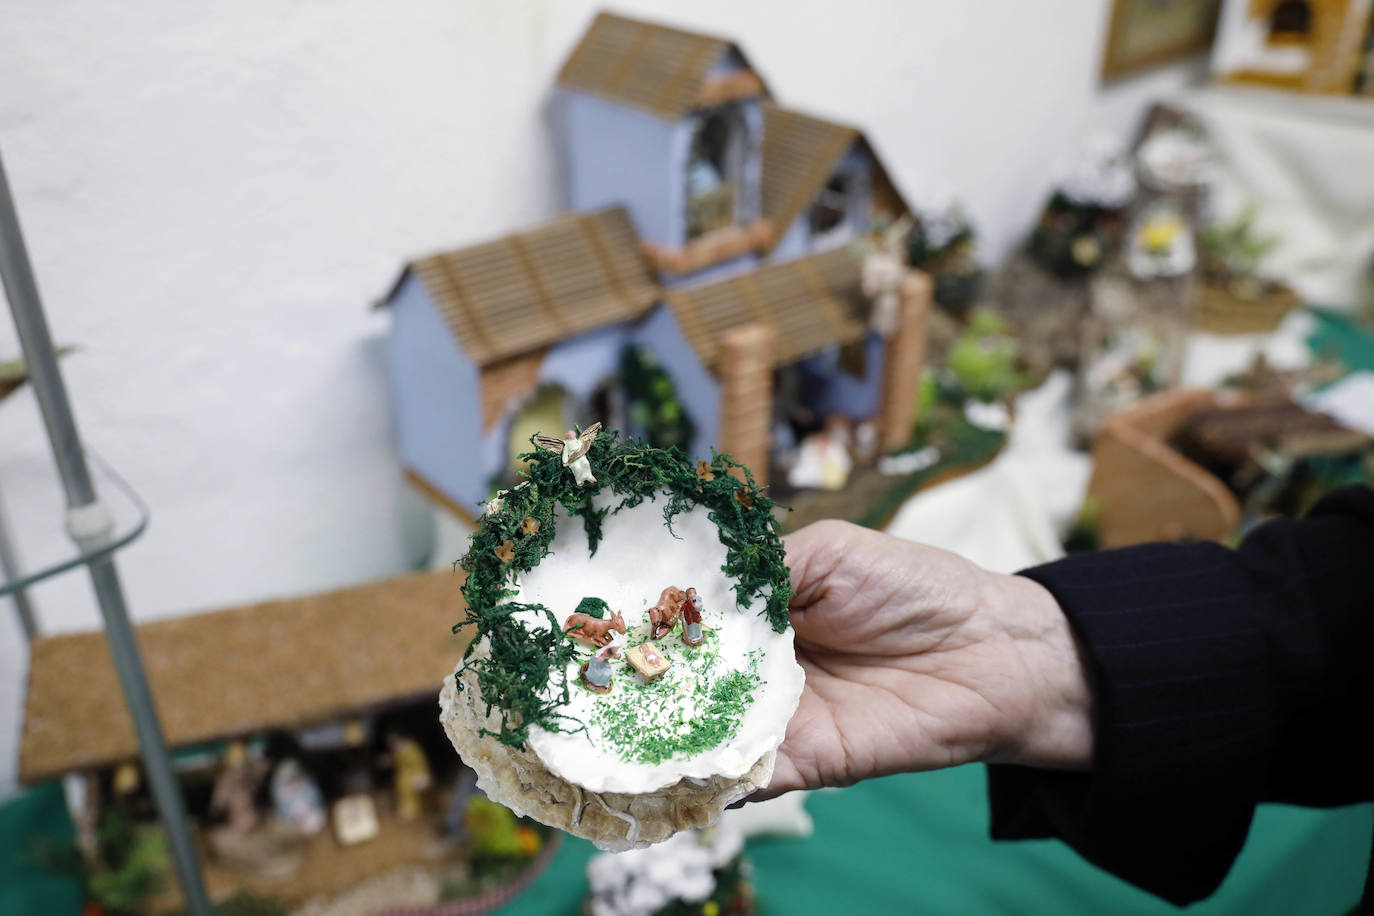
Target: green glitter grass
522 663
651 722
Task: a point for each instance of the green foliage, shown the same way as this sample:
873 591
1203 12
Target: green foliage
493 829
242 903
984 359
133 864
1234 249
653 404
522 664
927 392
593 607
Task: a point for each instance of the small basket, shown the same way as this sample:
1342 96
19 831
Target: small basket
1221 312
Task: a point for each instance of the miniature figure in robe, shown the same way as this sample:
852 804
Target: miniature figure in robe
691 618
237 786
598 672
411 774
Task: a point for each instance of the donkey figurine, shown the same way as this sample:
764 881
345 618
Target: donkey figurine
664 615
593 631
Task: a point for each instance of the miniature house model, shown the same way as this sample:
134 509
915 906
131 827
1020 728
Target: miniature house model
703 292
1309 45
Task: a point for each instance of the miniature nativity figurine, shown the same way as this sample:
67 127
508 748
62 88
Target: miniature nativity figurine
664 615
881 276
647 660
596 632
297 798
411 774
236 787
596 672
691 618
574 449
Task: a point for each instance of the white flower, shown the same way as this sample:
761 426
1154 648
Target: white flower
1099 174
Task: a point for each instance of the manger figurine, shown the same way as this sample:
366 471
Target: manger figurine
648 661
596 672
573 448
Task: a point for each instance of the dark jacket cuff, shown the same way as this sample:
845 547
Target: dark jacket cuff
1182 719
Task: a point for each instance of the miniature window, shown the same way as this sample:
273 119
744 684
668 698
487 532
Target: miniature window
1290 23
832 205
549 407
715 170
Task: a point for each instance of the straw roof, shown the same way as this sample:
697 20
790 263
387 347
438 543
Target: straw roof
810 303
650 66
279 664
530 289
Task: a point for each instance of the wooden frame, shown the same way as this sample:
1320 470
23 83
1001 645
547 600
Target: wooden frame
1183 28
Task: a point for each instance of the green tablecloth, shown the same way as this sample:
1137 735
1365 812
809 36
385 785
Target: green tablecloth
1338 336
918 843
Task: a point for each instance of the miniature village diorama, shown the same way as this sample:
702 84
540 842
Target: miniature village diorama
733 274
306 794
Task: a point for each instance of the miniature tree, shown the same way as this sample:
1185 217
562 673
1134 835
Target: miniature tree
984 360
1231 255
654 410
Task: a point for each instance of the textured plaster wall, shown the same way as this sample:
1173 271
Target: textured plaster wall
213 195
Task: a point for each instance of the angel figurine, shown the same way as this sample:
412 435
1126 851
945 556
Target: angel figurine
574 449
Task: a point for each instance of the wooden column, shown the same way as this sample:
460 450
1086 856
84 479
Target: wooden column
905 357
746 396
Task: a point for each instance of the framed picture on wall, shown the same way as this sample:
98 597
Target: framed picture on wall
1148 33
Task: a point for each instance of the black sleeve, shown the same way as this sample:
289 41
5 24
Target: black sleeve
1221 679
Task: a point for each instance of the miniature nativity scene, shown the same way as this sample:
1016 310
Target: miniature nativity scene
594 697
732 276
306 793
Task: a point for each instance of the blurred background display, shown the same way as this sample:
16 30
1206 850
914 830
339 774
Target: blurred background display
1019 281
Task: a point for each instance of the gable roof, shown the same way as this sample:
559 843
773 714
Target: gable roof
506 297
800 152
653 67
233 672
810 303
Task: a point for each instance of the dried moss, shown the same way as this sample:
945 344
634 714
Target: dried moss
521 664
593 606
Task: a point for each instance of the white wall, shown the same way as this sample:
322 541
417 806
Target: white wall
213 194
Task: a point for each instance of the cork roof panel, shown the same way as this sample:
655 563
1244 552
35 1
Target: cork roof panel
650 66
279 664
811 303
529 289
800 153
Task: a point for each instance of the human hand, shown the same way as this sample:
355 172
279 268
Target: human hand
916 659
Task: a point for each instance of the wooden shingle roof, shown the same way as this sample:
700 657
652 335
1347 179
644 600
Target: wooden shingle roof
800 152
279 664
650 66
811 303
517 293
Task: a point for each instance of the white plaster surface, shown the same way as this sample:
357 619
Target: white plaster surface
214 194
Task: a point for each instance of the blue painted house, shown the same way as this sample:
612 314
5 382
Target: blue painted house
699 208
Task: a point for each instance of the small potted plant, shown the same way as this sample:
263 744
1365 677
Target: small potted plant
1236 296
942 242
1082 223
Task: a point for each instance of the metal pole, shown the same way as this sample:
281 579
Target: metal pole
88 522
9 568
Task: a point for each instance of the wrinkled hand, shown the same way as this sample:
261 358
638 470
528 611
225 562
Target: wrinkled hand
916 659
